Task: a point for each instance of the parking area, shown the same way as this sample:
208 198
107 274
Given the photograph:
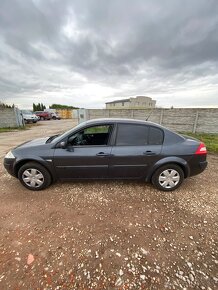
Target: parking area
106 234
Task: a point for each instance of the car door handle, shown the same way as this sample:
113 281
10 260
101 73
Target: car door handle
149 153
102 154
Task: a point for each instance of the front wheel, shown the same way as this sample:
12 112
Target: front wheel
168 177
34 176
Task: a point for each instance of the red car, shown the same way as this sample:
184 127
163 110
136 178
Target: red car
43 115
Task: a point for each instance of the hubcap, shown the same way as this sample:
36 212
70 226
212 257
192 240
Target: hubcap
33 177
169 178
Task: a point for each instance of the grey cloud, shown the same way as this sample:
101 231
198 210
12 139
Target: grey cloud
150 46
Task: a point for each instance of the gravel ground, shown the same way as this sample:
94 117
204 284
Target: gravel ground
107 234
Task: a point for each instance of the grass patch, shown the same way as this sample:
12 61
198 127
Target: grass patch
10 129
210 140
26 127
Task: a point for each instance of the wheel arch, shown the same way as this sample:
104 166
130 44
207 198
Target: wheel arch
20 163
169 160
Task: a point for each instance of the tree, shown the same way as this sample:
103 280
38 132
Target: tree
38 107
3 105
59 106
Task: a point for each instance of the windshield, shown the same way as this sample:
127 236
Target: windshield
27 112
65 134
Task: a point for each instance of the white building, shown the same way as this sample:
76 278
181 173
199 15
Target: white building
139 102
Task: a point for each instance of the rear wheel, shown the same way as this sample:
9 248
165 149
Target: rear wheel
34 176
168 177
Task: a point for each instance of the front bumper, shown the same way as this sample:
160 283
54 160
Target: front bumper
9 166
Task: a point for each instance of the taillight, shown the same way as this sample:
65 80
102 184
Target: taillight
201 149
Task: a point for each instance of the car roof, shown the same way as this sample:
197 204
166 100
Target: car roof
119 120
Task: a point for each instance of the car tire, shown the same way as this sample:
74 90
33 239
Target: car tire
34 176
168 177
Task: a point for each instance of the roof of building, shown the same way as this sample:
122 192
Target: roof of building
119 101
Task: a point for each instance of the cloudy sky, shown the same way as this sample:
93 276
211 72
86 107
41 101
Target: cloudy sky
88 52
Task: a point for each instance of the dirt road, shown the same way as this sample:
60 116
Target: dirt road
106 234
41 129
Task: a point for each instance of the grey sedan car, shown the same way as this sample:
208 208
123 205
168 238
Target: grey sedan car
109 149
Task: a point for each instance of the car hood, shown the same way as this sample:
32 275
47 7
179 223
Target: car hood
32 143
29 116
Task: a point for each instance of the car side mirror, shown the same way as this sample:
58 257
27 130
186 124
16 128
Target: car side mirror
63 145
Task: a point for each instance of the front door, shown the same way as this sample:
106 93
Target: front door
86 155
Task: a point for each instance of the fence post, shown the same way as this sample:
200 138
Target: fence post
161 117
195 123
83 115
18 118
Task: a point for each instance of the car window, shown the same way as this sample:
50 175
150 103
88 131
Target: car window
155 136
26 112
132 135
96 135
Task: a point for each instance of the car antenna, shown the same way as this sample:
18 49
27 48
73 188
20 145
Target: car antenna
149 115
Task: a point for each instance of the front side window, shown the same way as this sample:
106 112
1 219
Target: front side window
132 135
96 135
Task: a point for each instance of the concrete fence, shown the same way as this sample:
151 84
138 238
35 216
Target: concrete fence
10 117
180 120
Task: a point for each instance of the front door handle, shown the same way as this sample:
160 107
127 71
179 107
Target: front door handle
149 153
102 154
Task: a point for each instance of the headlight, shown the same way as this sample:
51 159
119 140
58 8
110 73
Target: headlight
9 155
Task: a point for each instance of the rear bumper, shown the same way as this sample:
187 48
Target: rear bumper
203 165
197 166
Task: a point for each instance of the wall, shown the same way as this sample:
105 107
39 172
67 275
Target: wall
10 117
181 120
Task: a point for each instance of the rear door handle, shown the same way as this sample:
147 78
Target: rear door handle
102 154
149 153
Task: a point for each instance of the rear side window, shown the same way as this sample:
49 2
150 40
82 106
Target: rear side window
132 135
155 136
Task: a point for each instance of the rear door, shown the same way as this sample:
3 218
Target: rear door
136 148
